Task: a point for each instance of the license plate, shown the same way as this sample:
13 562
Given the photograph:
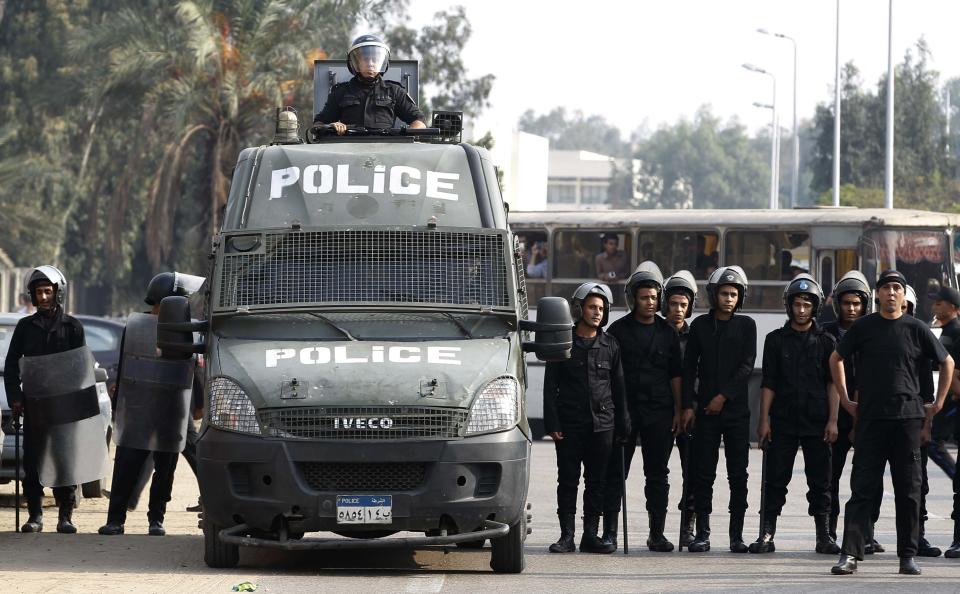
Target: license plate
364 509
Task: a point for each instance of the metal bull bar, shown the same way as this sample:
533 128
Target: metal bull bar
236 535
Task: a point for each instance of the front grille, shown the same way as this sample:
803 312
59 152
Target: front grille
351 478
364 423
382 266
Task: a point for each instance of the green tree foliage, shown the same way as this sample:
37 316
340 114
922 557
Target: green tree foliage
124 119
575 131
923 170
704 163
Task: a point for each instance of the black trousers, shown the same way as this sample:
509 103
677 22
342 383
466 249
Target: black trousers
781 453
877 442
924 490
127 465
687 466
189 454
656 443
838 459
735 433
66 497
589 450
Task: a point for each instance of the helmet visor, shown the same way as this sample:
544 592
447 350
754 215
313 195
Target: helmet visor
369 60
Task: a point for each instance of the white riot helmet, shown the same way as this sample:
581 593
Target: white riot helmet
647 273
911 297
584 291
728 275
852 282
50 274
680 283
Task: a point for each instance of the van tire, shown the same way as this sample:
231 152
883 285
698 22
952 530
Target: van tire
506 555
216 553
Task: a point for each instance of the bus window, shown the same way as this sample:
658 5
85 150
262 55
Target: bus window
672 251
770 259
922 256
596 255
535 253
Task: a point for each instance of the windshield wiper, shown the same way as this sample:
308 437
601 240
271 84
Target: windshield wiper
458 323
334 325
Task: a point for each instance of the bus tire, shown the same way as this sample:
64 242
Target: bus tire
506 555
216 553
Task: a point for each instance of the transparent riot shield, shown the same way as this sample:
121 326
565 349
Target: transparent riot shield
153 397
69 432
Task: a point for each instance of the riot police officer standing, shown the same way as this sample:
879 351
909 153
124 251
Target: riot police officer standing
368 100
153 408
851 301
946 308
652 368
890 416
584 411
48 331
718 361
679 300
798 409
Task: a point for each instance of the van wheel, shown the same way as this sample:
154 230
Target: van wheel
506 555
217 553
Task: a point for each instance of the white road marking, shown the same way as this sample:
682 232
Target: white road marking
424 583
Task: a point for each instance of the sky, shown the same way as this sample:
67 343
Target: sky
646 63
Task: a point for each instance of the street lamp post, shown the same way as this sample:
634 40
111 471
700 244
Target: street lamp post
774 139
794 180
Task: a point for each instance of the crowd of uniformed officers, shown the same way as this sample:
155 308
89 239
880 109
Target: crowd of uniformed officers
154 402
652 380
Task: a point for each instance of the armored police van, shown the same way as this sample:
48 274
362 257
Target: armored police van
363 328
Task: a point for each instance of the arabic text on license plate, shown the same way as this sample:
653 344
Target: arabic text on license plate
364 509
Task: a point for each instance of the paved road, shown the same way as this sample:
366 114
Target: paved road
136 562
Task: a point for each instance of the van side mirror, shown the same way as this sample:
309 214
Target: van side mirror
553 330
175 329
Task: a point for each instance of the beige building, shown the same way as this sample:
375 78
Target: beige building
581 179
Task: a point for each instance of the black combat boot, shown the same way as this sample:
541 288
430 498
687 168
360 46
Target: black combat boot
609 529
701 542
765 544
826 544
924 548
565 544
871 545
736 533
845 566
954 551
589 541
657 542
688 525
34 521
908 566
65 520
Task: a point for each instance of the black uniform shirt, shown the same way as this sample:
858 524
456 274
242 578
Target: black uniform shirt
890 359
719 360
370 105
586 390
844 420
950 337
38 335
651 358
796 366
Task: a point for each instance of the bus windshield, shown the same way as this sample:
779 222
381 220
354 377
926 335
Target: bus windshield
923 256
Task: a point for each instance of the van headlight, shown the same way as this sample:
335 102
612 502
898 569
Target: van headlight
496 407
230 407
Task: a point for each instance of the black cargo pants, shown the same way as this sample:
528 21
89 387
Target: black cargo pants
735 433
589 450
878 441
655 439
781 454
127 465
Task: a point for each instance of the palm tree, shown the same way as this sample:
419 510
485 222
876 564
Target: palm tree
208 73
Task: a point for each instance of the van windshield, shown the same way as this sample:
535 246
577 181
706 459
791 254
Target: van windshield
399 326
367 183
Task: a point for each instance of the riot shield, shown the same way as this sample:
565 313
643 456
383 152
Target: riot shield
153 397
68 430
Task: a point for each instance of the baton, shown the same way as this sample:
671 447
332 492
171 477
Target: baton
623 479
16 471
763 484
685 471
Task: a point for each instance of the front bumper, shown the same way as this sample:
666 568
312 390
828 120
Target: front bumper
275 485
